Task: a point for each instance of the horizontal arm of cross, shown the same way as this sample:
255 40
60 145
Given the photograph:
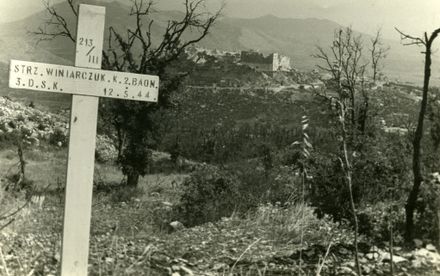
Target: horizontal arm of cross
83 81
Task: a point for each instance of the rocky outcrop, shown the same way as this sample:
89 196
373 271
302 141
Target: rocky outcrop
32 124
36 126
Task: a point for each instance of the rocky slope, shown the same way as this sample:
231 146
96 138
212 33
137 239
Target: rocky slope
38 127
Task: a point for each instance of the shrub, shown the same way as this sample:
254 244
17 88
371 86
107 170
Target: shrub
375 221
208 195
161 216
15 185
125 194
380 172
105 150
102 186
427 217
285 222
211 193
329 191
258 186
58 136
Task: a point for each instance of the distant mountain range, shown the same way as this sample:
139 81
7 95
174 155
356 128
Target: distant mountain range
296 38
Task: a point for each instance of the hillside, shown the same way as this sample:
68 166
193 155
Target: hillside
296 38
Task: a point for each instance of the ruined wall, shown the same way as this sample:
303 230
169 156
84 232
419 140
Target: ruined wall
270 63
256 61
280 62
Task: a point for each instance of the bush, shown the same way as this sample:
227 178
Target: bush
58 136
259 185
161 216
375 221
380 172
208 195
427 216
125 194
211 193
329 192
15 186
102 186
285 223
105 150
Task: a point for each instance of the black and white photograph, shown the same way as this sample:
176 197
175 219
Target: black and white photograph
219 137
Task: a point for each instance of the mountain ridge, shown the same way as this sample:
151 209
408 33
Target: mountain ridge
294 37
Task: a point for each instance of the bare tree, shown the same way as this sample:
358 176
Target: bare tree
410 206
135 51
55 26
345 64
378 53
346 165
346 162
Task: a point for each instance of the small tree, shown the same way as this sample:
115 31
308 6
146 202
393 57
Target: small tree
378 53
410 206
348 66
135 51
345 64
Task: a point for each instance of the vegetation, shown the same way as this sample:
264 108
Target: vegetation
265 175
133 121
418 135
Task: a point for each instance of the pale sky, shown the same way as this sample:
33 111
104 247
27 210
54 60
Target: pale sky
411 16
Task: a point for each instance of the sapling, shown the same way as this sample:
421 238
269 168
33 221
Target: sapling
306 147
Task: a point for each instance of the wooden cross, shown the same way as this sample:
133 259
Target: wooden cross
87 83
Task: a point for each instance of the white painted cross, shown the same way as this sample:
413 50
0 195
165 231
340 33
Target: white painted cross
87 83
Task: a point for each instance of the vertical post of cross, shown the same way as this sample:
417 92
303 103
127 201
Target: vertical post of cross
82 137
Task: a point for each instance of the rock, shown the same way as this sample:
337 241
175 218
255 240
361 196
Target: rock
109 260
425 255
187 271
416 263
177 225
220 266
431 248
422 253
396 259
372 255
343 251
366 269
418 243
351 264
344 270
167 204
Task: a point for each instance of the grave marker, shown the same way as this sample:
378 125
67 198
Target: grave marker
87 84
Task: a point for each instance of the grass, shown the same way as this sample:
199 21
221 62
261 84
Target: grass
126 240
48 166
42 167
129 237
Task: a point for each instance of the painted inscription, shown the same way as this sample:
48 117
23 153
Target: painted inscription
83 81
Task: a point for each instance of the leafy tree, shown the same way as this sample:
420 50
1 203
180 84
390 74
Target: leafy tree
135 51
